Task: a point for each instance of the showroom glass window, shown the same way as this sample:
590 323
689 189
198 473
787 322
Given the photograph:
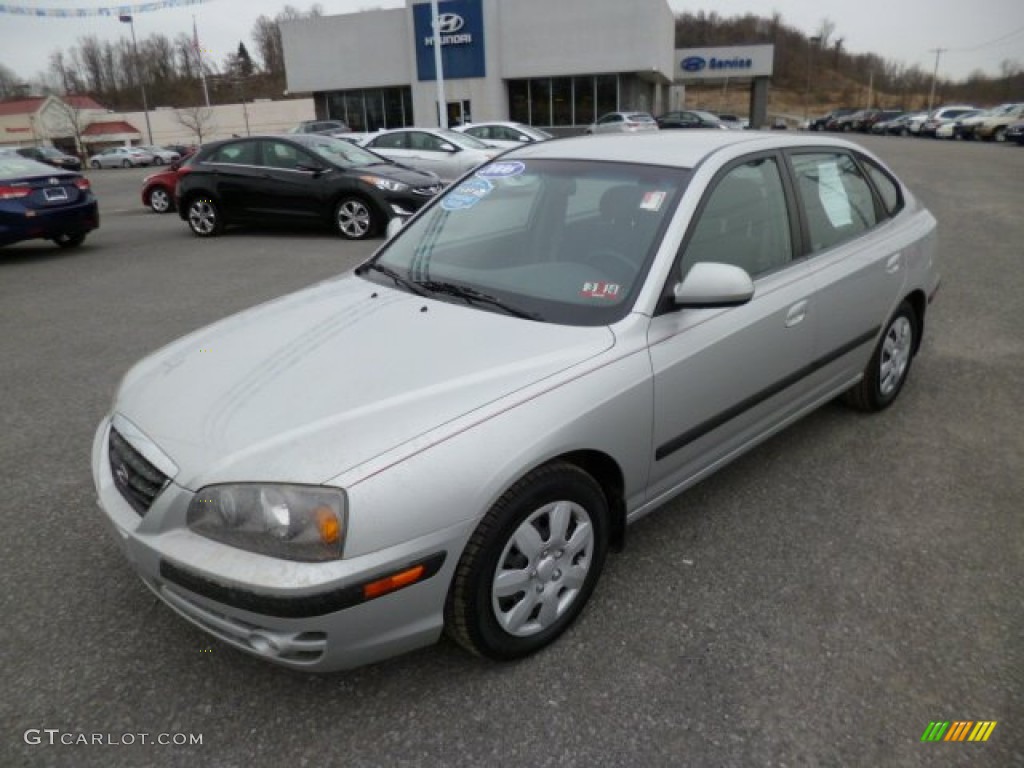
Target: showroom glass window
372 109
562 101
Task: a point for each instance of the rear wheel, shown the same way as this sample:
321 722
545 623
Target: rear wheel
531 564
889 365
126 163
95 164
157 160
160 200
999 135
355 219
204 217
69 241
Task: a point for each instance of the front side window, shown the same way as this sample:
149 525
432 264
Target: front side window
836 197
278 154
744 221
561 240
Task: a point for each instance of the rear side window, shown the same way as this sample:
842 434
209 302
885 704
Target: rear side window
389 141
836 198
887 188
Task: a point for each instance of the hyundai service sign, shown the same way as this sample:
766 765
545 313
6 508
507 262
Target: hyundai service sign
462 39
719 63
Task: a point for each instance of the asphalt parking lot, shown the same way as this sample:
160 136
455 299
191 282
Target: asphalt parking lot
817 603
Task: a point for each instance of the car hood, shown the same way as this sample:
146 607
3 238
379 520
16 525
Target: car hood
308 386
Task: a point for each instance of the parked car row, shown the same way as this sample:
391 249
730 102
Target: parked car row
956 121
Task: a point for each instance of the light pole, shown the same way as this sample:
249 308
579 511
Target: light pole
442 105
935 73
127 18
811 42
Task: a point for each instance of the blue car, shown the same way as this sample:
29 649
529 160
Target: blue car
38 202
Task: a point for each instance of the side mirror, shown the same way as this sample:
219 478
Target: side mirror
394 225
449 147
710 284
525 139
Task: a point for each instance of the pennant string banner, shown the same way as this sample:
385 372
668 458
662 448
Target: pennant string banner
77 13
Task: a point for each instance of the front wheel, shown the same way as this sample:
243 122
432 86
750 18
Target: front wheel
158 160
204 217
531 565
889 365
355 219
95 164
160 200
126 163
999 135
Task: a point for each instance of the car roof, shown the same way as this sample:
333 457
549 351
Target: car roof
683 149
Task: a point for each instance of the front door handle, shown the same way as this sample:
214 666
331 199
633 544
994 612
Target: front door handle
796 313
892 266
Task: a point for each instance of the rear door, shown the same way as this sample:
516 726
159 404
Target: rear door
233 172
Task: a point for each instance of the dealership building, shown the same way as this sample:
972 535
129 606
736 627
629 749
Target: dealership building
549 63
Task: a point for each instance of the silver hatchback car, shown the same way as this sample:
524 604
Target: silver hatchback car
454 436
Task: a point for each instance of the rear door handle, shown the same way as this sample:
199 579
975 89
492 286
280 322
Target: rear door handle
796 313
892 266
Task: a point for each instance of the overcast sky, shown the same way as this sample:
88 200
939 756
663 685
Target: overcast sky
978 33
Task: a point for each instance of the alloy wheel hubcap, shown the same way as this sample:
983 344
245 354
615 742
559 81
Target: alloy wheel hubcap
354 218
895 355
542 568
158 200
202 217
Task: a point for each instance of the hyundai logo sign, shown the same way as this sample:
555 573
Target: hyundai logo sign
694 63
450 23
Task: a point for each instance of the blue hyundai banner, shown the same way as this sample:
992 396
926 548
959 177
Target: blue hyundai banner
462 39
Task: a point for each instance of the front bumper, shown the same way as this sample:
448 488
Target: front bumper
309 616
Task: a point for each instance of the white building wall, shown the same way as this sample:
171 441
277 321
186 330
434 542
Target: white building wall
548 38
353 50
226 120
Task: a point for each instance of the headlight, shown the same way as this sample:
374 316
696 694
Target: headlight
389 184
294 522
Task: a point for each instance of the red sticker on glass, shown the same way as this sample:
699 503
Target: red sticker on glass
600 290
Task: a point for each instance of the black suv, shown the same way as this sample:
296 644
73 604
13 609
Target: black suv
827 122
299 178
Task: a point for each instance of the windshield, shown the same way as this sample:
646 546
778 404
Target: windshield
565 241
343 153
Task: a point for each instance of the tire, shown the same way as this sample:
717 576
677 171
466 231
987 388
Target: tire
95 165
69 241
355 218
160 200
126 163
531 565
889 366
204 217
904 131
999 135
157 160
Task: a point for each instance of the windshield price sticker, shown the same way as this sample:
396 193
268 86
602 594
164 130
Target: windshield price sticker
502 170
652 201
467 194
600 290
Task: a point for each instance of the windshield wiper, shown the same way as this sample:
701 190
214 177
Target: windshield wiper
410 285
472 295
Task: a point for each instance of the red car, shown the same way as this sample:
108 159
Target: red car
158 188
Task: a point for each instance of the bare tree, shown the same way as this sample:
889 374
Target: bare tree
199 120
825 30
63 120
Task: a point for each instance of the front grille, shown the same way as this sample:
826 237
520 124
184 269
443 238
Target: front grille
138 481
431 190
